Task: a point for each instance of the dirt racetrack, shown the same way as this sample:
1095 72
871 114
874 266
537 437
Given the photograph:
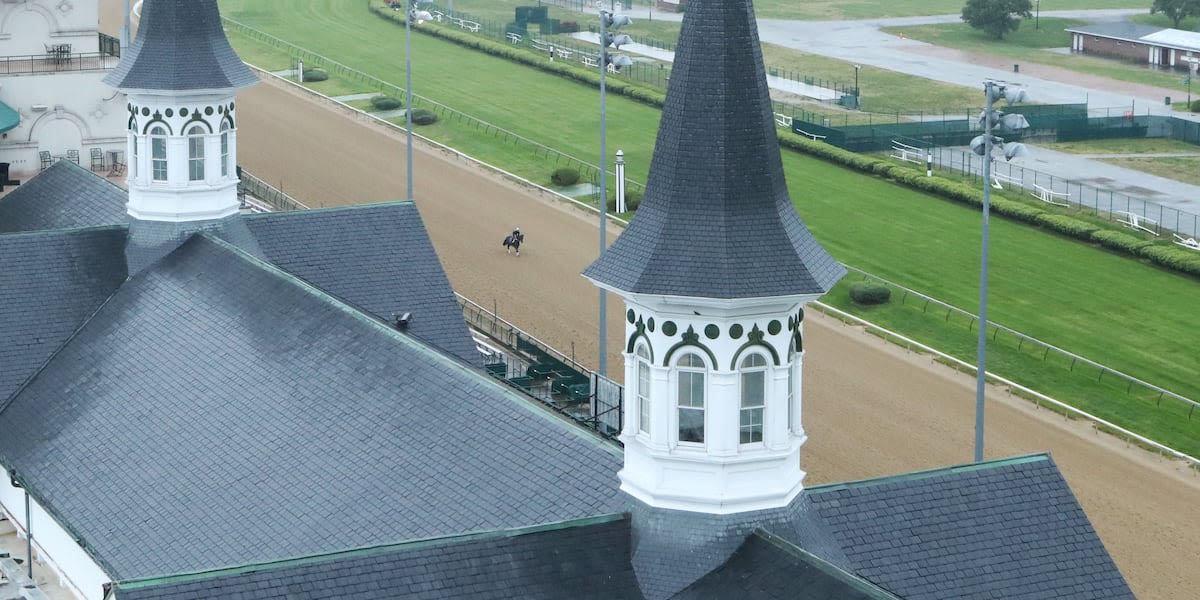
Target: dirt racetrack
871 409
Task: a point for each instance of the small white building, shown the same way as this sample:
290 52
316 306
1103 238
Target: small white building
52 99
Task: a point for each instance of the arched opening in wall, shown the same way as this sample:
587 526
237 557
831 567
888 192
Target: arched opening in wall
34 26
58 136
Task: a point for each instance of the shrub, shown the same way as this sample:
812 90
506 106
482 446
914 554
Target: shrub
1195 107
564 176
1068 226
633 198
1122 242
869 292
1019 211
1173 257
315 74
423 116
568 26
384 102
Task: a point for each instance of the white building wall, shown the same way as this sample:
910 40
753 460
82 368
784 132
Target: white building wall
53 546
60 112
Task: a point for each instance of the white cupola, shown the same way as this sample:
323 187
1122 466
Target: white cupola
715 269
180 76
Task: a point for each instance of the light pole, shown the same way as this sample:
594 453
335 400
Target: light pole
607 20
412 13
857 99
982 145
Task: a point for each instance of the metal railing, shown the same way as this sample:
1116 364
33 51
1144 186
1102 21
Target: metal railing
1038 397
45 63
1070 359
262 192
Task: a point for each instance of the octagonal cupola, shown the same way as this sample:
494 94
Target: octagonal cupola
715 269
180 76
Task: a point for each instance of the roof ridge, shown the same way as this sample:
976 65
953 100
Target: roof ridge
131 584
825 566
930 473
71 230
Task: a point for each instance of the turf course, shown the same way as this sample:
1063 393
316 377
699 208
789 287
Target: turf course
1108 308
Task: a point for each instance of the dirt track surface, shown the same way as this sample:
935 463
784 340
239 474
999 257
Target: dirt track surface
871 409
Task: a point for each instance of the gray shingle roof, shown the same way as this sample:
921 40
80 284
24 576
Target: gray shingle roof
766 567
1003 529
578 560
49 284
378 258
237 415
716 220
1123 30
180 46
63 196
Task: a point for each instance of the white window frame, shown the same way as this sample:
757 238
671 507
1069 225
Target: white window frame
224 149
689 367
196 137
158 153
752 410
643 388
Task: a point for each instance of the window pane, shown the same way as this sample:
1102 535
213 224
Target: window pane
753 384
196 158
691 425
643 396
751 425
691 389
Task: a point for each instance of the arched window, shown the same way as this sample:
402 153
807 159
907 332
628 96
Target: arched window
225 149
196 153
643 388
792 382
158 153
691 375
754 379
133 164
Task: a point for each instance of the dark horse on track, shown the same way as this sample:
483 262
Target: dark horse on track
513 242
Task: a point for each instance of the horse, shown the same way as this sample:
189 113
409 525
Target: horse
513 242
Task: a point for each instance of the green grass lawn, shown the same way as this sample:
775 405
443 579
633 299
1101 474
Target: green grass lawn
1185 169
1108 308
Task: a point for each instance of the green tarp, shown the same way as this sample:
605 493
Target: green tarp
8 118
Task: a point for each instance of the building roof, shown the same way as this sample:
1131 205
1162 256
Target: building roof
238 415
716 220
378 258
1118 30
50 284
180 46
1000 529
63 196
586 559
766 567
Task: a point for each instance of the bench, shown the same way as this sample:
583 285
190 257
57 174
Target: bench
1050 196
1136 222
907 153
1189 243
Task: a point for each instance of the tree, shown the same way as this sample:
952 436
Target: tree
1176 10
998 17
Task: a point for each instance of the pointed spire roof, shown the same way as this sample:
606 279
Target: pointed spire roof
180 46
716 220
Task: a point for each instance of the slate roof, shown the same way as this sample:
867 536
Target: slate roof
766 567
237 415
579 560
716 220
180 46
378 258
63 196
1002 529
50 283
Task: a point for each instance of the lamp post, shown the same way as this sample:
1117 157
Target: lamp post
607 20
857 99
413 13
991 118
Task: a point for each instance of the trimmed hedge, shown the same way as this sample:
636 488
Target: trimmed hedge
423 116
1121 242
384 102
315 74
565 176
869 293
633 199
1067 226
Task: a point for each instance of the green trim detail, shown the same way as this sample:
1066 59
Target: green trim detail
134 584
669 328
774 327
690 338
629 316
650 324
639 331
754 339
711 331
736 330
